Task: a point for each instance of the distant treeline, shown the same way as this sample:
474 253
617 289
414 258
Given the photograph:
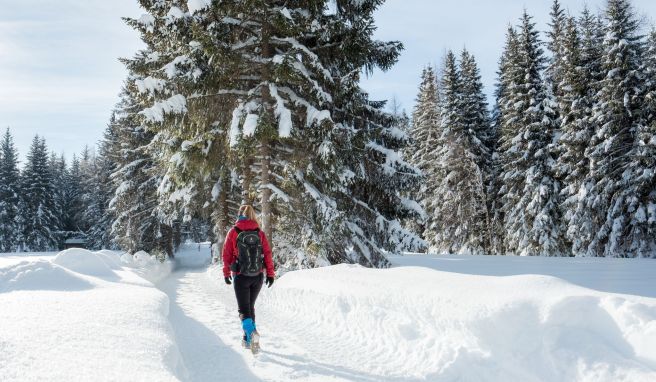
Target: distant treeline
566 163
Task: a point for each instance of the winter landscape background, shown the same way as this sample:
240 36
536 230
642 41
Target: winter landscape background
492 228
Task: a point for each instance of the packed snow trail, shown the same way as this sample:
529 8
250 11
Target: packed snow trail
207 330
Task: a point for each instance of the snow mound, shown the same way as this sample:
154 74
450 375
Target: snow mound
147 266
106 330
85 262
40 275
418 323
110 258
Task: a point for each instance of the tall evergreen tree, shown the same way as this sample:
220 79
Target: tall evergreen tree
556 41
102 192
426 129
9 195
460 212
530 204
616 112
575 104
136 225
310 147
475 113
633 209
73 204
37 203
59 180
501 113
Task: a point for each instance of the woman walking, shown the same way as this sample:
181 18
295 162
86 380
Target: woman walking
246 255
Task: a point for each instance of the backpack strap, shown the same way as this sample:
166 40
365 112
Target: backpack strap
240 231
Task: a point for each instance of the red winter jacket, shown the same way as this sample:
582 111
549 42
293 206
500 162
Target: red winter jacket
230 252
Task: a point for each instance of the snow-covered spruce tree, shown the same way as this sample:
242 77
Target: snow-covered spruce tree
59 177
556 40
37 202
136 225
72 203
616 117
501 114
317 154
426 129
575 104
481 132
182 90
529 192
475 115
102 191
415 222
592 39
9 195
633 212
87 176
459 223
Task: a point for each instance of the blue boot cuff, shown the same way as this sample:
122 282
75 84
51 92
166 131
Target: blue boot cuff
248 325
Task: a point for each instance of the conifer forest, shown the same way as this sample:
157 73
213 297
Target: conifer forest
258 102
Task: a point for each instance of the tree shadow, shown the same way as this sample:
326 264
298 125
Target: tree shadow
311 367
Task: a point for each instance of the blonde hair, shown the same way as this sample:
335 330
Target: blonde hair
248 211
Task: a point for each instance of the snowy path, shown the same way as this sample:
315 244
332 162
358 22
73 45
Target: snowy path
207 331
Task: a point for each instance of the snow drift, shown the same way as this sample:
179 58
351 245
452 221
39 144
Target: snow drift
413 323
81 316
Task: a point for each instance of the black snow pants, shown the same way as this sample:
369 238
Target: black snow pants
246 289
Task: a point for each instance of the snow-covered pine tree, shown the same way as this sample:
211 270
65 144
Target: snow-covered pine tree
102 191
556 40
87 176
633 212
575 104
484 140
460 222
319 156
475 115
616 117
529 191
592 39
136 225
72 204
37 202
9 195
59 178
426 129
501 114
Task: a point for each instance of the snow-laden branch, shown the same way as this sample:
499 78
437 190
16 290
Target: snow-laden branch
176 104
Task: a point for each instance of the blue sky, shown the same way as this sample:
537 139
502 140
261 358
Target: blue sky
60 77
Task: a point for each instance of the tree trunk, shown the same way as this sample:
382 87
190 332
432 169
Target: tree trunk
266 191
221 218
265 143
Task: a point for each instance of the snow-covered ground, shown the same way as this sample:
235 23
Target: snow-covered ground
430 318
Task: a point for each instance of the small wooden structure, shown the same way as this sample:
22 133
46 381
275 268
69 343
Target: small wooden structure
75 243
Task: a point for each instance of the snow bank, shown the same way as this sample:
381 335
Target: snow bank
85 262
147 266
40 275
419 323
81 316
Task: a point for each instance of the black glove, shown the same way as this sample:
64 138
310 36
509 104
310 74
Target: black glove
228 280
269 281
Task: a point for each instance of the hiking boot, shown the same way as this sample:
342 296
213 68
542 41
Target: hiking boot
255 342
244 343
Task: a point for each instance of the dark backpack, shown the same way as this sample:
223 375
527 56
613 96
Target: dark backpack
250 257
